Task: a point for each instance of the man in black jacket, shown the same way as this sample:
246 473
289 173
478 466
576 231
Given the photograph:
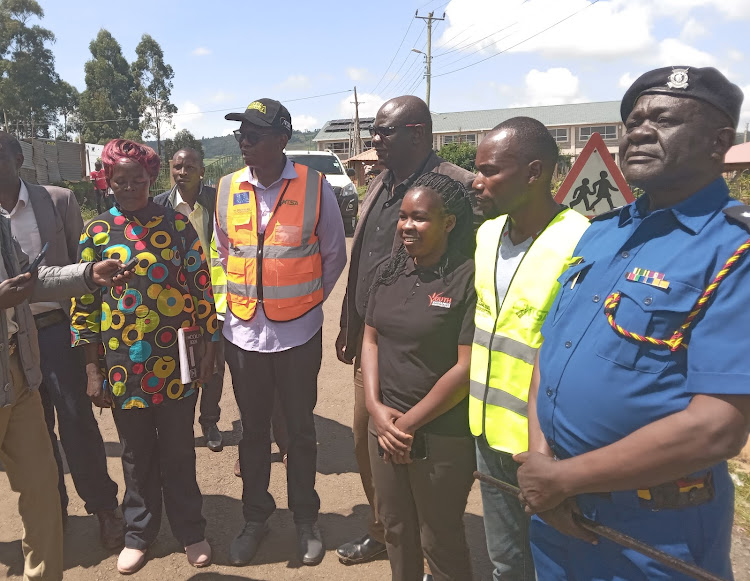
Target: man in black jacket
197 201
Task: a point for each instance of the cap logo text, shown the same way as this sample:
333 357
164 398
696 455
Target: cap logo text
258 106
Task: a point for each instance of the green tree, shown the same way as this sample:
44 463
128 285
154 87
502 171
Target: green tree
30 90
107 107
153 79
462 154
68 97
181 140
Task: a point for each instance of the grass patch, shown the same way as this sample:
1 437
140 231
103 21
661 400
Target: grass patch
361 190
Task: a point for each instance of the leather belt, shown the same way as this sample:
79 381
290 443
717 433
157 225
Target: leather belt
49 318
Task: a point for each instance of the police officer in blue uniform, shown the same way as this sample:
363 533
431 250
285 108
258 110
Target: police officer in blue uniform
641 391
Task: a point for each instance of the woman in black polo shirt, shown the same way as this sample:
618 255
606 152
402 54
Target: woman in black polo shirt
415 365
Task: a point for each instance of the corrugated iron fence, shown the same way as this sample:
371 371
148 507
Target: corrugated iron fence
49 161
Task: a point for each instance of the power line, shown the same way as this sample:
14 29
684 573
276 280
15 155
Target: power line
455 36
402 64
217 110
394 55
475 42
472 53
521 42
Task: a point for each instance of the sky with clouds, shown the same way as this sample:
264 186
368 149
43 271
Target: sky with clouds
486 53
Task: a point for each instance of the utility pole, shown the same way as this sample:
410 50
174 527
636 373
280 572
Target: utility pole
428 57
357 139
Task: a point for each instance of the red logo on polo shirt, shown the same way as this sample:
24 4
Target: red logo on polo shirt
438 300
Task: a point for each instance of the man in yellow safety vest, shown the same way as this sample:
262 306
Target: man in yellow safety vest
519 257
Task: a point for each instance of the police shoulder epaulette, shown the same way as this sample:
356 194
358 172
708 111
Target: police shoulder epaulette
607 215
740 214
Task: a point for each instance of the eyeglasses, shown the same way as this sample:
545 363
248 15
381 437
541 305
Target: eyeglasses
390 130
251 137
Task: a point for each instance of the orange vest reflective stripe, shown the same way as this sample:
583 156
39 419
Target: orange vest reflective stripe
282 269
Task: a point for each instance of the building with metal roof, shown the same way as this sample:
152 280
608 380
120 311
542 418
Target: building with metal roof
571 125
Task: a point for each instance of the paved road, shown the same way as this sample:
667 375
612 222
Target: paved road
343 504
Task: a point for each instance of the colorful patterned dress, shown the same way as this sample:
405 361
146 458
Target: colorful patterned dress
136 324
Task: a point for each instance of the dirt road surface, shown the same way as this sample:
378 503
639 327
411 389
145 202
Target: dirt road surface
343 505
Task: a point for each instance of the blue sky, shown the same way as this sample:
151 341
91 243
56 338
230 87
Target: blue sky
226 53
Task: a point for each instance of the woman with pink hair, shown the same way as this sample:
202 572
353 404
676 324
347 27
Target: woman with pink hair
132 362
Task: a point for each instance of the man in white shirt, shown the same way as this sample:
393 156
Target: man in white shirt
191 197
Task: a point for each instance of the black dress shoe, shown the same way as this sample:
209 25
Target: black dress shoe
245 545
360 550
310 544
213 438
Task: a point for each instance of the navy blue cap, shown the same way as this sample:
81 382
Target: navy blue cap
706 84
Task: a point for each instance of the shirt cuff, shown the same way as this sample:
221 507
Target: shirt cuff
88 277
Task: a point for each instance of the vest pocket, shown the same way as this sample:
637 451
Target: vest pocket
647 311
285 235
236 275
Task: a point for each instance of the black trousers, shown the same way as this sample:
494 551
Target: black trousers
422 505
63 389
158 459
211 390
256 378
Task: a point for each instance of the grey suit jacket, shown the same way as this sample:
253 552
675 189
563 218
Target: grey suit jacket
58 217
55 283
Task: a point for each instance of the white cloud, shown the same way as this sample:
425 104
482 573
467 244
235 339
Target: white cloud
295 82
672 51
202 51
625 81
190 117
356 74
735 54
368 105
551 87
693 30
596 30
578 28
223 97
305 123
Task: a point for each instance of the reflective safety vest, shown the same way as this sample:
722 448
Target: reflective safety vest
508 335
282 268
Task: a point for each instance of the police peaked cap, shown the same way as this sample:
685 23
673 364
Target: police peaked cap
706 84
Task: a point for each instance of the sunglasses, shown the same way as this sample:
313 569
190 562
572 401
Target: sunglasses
384 131
251 137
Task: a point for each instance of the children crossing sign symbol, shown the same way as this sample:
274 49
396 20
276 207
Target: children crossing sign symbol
595 184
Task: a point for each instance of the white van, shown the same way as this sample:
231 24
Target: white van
329 164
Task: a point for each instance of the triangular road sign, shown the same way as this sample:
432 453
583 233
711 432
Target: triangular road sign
594 184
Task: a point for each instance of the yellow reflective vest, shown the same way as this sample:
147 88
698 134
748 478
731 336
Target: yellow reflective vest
218 280
508 335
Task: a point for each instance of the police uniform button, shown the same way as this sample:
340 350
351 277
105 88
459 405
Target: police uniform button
625 254
549 392
7 387
377 229
417 284
648 301
370 254
568 344
596 298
